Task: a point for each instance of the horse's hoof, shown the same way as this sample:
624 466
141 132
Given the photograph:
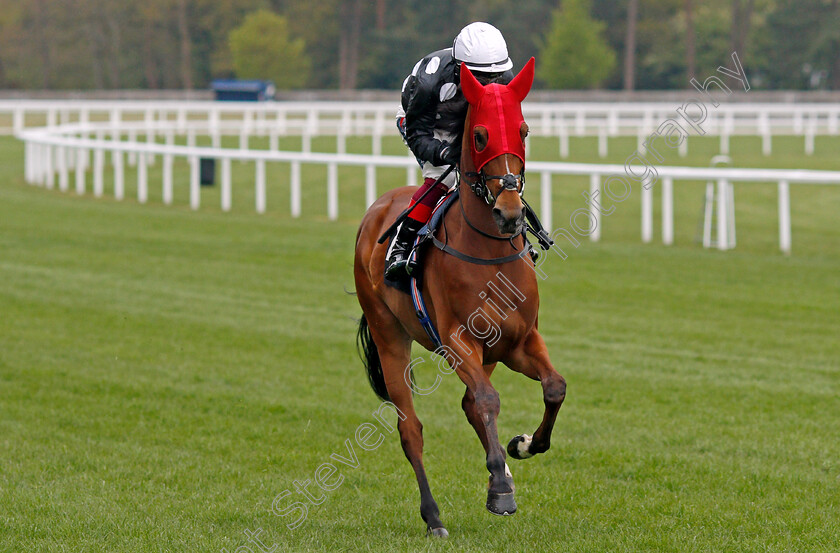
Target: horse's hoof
501 503
518 447
437 532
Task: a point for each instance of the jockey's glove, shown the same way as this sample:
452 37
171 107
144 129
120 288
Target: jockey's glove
449 155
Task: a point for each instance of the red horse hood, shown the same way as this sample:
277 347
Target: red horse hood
498 109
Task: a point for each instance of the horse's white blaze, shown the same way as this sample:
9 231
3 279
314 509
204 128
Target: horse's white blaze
522 447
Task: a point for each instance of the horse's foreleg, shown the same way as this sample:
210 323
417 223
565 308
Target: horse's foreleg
468 405
481 405
533 362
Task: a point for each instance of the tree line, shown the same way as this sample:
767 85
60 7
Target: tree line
373 44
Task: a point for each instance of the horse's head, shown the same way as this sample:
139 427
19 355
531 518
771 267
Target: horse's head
496 132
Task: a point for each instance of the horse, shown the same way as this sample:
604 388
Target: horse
461 283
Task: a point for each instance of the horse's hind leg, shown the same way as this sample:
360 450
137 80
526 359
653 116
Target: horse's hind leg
532 361
394 353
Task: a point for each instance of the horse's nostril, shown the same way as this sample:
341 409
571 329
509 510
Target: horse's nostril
497 212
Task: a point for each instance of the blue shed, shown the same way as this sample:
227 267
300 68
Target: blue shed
233 90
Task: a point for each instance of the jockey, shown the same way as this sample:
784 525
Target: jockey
431 121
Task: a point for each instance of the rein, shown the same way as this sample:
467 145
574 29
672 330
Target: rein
444 247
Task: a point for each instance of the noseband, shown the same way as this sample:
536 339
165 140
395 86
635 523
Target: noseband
478 184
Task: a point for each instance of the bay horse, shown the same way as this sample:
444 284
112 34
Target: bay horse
483 230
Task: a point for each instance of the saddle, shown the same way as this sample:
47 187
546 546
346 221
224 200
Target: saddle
423 235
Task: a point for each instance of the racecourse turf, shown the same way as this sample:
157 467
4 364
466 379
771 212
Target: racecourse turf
165 374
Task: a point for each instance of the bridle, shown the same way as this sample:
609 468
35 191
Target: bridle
478 184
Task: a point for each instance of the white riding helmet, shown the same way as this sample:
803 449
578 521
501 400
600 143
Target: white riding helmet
482 48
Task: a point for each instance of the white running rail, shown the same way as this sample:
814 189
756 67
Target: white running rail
376 119
53 153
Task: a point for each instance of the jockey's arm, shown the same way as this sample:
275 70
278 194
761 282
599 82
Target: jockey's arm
420 118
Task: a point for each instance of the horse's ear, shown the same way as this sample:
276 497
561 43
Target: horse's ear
472 89
521 83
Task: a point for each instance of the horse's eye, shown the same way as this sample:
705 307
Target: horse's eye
480 138
524 130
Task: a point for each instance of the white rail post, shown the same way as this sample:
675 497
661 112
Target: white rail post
119 175
215 133
722 215
343 130
246 130
764 130
63 173
142 179
132 155
168 162
667 211
602 141
810 130
34 163
81 156
227 192
98 172
308 130
834 122
370 185
332 191
195 184
47 166
18 123
31 161
280 121
260 184
564 137
151 137
41 168
594 191
38 164
27 165
647 213
545 200
84 117
181 120
784 217
295 192
376 137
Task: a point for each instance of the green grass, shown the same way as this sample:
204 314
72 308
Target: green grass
164 374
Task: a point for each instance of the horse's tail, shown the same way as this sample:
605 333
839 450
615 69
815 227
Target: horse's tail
370 357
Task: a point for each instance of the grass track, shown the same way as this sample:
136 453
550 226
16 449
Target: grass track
165 374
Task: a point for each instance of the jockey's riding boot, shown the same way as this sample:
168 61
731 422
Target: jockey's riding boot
396 266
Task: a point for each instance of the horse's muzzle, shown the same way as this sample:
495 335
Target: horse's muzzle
509 223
